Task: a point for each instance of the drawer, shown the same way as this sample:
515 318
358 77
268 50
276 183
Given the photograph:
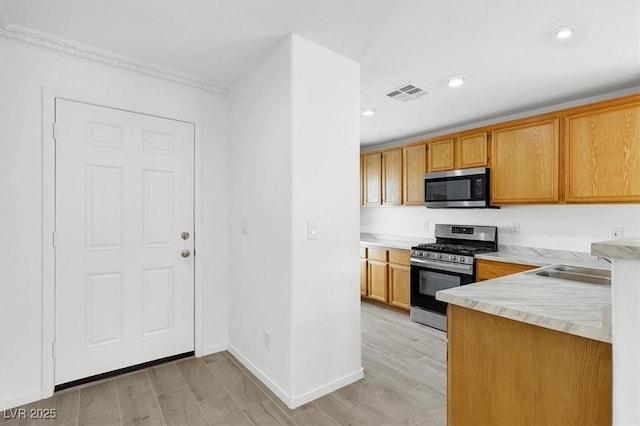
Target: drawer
363 252
489 269
377 254
400 257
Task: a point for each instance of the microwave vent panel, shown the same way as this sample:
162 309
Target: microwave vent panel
407 92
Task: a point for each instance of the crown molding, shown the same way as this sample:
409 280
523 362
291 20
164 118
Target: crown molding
28 36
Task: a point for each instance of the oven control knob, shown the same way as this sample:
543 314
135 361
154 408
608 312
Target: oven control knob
452 257
461 258
438 256
425 254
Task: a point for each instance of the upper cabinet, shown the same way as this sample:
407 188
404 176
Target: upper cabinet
361 180
382 178
463 152
372 179
441 155
525 162
392 177
603 152
471 151
415 166
586 154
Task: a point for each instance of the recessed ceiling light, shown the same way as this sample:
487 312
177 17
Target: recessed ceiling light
367 112
455 81
563 32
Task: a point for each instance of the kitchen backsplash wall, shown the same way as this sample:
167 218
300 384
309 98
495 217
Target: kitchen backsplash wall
562 227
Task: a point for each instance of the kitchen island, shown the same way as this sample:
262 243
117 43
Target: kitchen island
525 349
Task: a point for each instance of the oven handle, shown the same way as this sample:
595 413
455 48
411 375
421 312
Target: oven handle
451 267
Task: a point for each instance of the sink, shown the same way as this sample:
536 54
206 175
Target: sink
584 271
572 273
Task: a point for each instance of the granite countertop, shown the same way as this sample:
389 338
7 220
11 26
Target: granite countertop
570 307
628 248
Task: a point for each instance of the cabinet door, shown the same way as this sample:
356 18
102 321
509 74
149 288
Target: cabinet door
489 269
603 155
441 155
392 177
363 277
372 179
415 165
399 285
361 180
377 274
525 162
471 151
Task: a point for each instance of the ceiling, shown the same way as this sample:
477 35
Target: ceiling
505 49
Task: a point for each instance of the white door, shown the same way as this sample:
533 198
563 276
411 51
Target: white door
124 196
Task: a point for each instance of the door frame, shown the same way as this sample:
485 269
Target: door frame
49 96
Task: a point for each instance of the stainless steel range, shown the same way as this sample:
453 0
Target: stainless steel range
447 263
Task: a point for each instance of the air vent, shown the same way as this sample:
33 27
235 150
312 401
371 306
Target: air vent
407 92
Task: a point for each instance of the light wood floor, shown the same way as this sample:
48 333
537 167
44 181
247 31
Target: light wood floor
404 384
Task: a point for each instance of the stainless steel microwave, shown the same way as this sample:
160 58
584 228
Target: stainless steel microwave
466 188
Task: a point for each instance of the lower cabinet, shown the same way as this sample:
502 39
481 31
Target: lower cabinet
399 285
506 372
363 277
384 276
378 280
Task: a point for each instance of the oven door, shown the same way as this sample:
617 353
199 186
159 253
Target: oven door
428 277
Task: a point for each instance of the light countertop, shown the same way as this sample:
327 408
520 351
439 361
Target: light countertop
566 306
392 241
533 259
628 248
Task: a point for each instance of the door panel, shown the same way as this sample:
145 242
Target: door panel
158 300
124 194
103 308
158 208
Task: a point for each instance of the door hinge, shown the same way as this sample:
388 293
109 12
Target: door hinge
53 350
55 130
53 238
194 252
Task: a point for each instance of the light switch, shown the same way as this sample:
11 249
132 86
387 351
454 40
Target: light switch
244 228
312 232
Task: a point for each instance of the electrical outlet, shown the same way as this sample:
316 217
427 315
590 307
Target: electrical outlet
267 339
426 225
515 228
244 228
616 233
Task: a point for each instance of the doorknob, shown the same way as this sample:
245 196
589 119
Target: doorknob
185 235
185 253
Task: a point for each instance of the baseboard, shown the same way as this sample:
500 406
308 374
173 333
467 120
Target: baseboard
19 400
299 400
296 401
273 387
212 349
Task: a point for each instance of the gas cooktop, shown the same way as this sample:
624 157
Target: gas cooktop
458 243
466 250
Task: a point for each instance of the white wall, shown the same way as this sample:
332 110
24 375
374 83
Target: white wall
625 299
24 70
562 227
260 193
294 139
326 314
